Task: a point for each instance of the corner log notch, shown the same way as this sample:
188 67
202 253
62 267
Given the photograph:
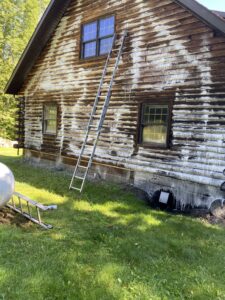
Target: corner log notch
20 126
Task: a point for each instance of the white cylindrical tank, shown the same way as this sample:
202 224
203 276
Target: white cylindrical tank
7 184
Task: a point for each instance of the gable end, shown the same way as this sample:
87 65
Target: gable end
52 17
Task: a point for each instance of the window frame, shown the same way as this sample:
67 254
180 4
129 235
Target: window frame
159 102
44 119
98 39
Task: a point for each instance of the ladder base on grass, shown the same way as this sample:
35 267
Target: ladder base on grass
23 205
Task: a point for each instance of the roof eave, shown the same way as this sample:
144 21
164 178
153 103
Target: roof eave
204 14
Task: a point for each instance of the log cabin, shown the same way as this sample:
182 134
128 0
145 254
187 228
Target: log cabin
165 125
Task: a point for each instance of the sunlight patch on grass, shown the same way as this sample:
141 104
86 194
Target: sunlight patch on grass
109 274
57 236
9 152
120 213
110 277
4 274
105 244
82 206
41 195
147 222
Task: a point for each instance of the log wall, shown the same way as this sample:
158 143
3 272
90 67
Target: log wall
169 54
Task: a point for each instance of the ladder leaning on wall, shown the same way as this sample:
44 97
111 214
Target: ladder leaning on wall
77 181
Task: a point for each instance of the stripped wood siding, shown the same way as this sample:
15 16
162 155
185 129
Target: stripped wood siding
169 54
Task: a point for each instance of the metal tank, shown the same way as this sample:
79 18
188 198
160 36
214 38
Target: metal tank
7 184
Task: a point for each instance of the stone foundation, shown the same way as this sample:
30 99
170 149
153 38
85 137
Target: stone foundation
187 194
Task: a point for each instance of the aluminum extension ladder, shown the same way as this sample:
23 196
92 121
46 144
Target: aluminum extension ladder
29 208
77 181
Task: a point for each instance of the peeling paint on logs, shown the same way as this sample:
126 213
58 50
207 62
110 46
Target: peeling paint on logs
169 54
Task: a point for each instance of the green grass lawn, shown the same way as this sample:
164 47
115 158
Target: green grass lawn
106 244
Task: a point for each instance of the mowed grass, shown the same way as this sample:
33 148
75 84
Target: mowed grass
106 244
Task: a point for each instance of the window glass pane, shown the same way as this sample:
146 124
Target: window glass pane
105 45
164 111
50 126
90 31
154 134
89 49
164 119
158 111
158 119
50 118
106 26
155 123
152 111
50 112
146 119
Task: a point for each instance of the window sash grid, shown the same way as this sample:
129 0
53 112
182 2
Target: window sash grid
83 35
153 121
106 37
97 40
48 118
90 41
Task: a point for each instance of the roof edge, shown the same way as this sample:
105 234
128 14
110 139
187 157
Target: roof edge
202 12
221 14
37 42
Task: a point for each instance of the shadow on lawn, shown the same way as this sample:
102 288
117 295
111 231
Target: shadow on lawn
107 259
171 257
124 252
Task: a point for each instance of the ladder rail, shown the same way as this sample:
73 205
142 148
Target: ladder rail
100 86
103 77
105 106
90 160
108 96
102 116
93 111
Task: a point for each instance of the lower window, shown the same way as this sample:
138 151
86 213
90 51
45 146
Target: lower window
154 127
50 118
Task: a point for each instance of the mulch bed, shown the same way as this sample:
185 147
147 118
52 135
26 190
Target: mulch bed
217 213
215 220
9 217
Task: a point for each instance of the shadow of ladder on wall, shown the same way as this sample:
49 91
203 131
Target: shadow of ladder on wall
81 170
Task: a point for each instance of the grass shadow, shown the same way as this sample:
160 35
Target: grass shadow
107 245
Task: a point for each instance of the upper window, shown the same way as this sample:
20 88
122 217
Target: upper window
50 118
154 124
97 37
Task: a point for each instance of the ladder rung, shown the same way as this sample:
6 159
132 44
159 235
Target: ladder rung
93 129
74 188
85 156
78 177
83 167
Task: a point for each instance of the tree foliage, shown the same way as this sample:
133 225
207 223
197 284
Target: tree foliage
18 19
